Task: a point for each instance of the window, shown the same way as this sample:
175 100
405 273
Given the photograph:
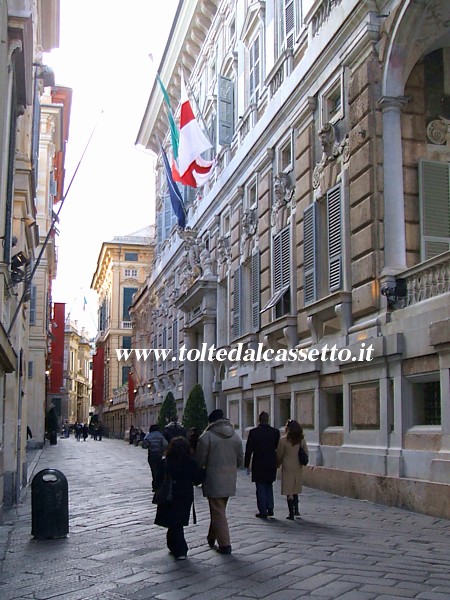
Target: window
127 301
131 272
281 274
175 341
126 342
426 401
30 369
237 303
226 110
285 161
434 197
322 227
33 293
254 71
166 220
332 105
125 372
131 256
255 291
289 21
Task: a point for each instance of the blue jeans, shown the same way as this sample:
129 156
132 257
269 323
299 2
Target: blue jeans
264 497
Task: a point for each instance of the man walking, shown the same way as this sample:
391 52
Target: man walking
219 451
261 451
174 429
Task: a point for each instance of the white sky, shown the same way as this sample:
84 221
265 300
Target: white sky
103 57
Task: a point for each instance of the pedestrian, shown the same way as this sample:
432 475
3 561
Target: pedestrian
261 452
85 432
156 445
78 431
132 434
174 429
182 468
219 451
99 430
193 436
29 434
291 469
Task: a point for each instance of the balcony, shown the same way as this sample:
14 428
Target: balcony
428 279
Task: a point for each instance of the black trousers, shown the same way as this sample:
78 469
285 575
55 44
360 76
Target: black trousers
176 542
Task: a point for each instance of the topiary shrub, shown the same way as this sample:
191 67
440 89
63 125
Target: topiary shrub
168 409
195 413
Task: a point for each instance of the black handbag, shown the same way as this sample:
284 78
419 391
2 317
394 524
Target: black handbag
164 494
303 457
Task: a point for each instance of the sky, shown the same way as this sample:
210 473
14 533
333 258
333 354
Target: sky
103 56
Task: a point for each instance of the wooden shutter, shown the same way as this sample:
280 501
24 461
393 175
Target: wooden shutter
289 23
33 294
285 257
255 76
434 195
255 291
127 301
309 253
226 111
237 289
334 230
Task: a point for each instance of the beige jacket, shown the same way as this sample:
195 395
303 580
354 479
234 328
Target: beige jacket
291 469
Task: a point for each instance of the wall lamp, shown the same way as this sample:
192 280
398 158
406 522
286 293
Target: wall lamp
395 293
18 261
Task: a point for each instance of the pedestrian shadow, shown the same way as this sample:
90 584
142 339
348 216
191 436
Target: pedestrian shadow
309 526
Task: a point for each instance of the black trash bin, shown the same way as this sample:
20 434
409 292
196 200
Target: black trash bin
53 436
49 505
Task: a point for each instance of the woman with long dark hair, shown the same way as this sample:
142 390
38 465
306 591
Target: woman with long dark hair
291 469
182 468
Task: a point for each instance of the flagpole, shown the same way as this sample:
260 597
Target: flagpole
52 228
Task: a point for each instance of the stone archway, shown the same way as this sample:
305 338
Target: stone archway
416 28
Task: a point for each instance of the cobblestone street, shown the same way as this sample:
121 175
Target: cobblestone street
340 548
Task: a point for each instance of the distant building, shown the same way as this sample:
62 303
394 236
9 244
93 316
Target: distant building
123 266
76 400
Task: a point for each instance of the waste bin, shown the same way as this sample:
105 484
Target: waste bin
49 505
53 436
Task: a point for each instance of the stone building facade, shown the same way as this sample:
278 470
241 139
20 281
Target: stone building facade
123 266
77 375
325 224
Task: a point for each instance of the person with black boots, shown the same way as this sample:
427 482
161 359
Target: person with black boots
291 469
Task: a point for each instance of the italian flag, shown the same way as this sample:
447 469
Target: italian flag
191 169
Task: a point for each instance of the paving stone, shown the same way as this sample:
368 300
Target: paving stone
341 549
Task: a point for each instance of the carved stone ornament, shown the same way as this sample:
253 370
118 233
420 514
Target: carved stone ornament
223 256
249 228
331 150
438 131
283 192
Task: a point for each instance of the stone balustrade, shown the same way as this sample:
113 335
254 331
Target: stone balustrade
428 279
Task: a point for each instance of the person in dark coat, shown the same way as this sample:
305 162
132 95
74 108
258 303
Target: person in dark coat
182 467
174 429
156 445
261 452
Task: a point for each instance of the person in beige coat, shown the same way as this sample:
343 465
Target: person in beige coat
291 469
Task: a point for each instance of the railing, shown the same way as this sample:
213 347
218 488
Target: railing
127 325
428 279
280 72
247 122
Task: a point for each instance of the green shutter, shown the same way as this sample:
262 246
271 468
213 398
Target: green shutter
237 280
434 195
226 110
256 292
334 228
285 257
289 23
309 253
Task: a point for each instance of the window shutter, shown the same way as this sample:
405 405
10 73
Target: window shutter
434 194
289 23
175 339
237 302
33 294
167 217
255 291
309 253
277 263
285 242
254 70
160 231
334 227
127 301
226 111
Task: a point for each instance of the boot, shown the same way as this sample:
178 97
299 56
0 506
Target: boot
291 510
295 501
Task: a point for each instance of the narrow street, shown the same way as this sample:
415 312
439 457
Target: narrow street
340 548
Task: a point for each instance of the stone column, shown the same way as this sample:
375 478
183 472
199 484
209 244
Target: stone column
190 373
209 338
394 208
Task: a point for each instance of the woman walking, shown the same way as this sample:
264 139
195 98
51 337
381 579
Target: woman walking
184 471
291 469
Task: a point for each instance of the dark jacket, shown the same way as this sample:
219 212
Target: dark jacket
261 450
156 444
174 430
184 475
